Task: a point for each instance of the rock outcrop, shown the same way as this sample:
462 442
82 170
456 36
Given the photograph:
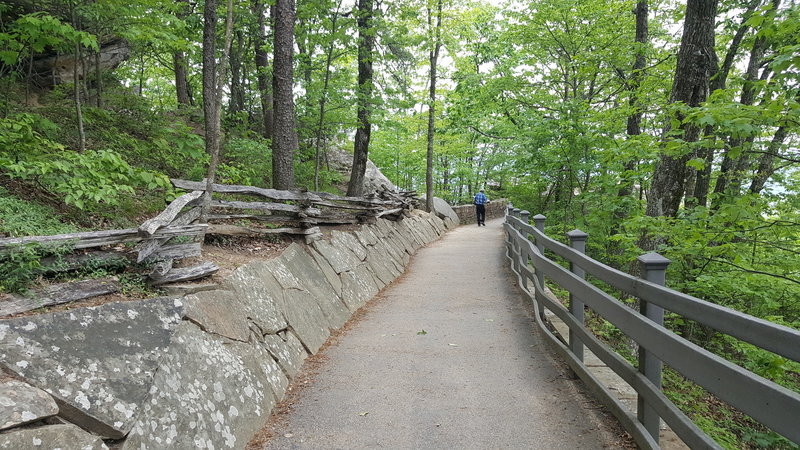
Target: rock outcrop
374 180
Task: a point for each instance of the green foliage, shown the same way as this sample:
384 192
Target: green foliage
23 218
37 32
19 267
85 180
246 161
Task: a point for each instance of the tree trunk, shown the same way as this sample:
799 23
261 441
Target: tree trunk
262 67
181 79
210 92
766 162
434 58
366 42
320 137
212 87
635 118
284 143
179 61
98 75
77 85
699 196
237 88
696 62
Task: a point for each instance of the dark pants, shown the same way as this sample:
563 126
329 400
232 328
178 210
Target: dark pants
480 212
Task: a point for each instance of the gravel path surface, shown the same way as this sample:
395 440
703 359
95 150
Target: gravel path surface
447 357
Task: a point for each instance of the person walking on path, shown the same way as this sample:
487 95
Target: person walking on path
480 207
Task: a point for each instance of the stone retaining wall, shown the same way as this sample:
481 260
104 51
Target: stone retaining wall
200 371
494 210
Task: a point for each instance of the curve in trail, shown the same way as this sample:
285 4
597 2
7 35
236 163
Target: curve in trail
446 357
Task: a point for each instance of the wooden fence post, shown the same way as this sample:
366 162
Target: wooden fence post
577 240
538 221
523 255
654 269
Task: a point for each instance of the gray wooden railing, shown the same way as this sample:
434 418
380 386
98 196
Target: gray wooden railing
772 405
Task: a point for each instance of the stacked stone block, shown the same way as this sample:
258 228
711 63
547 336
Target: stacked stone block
201 371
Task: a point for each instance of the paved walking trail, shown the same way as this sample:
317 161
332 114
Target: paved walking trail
447 357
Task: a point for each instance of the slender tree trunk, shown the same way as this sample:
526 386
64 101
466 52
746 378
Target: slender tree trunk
212 87
696 62
634 123
318 144
237 88
77 94
285 142
366 42
210 93
77 85
181 79
262 67
98 79
766 162
141 75
434 58
180 65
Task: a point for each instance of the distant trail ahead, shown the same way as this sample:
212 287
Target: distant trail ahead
447 357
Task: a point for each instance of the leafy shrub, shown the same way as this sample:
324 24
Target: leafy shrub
86 180
18 267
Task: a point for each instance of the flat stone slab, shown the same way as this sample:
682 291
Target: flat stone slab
315 281
21 403
98 363
358 287
220 312
259 293
288 351
51 437
330 275
209 392
300 309
340 258
350 242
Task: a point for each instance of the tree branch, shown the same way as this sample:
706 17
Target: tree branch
757 272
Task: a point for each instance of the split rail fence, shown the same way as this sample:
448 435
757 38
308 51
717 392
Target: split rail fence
772 405
178 232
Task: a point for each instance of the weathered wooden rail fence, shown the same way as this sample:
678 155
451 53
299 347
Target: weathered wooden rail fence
772 405
178 232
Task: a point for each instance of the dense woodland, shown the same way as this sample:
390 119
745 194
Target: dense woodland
651 125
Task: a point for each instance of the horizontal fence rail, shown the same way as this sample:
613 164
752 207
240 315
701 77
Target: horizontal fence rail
765 401
177 233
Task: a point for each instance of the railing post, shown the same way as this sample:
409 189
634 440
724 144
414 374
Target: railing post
654 269
509 209
523 255
577 240
516 246
538 221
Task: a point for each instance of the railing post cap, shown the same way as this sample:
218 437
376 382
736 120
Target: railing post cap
653 261
577 235
525 212
539 217
516 210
